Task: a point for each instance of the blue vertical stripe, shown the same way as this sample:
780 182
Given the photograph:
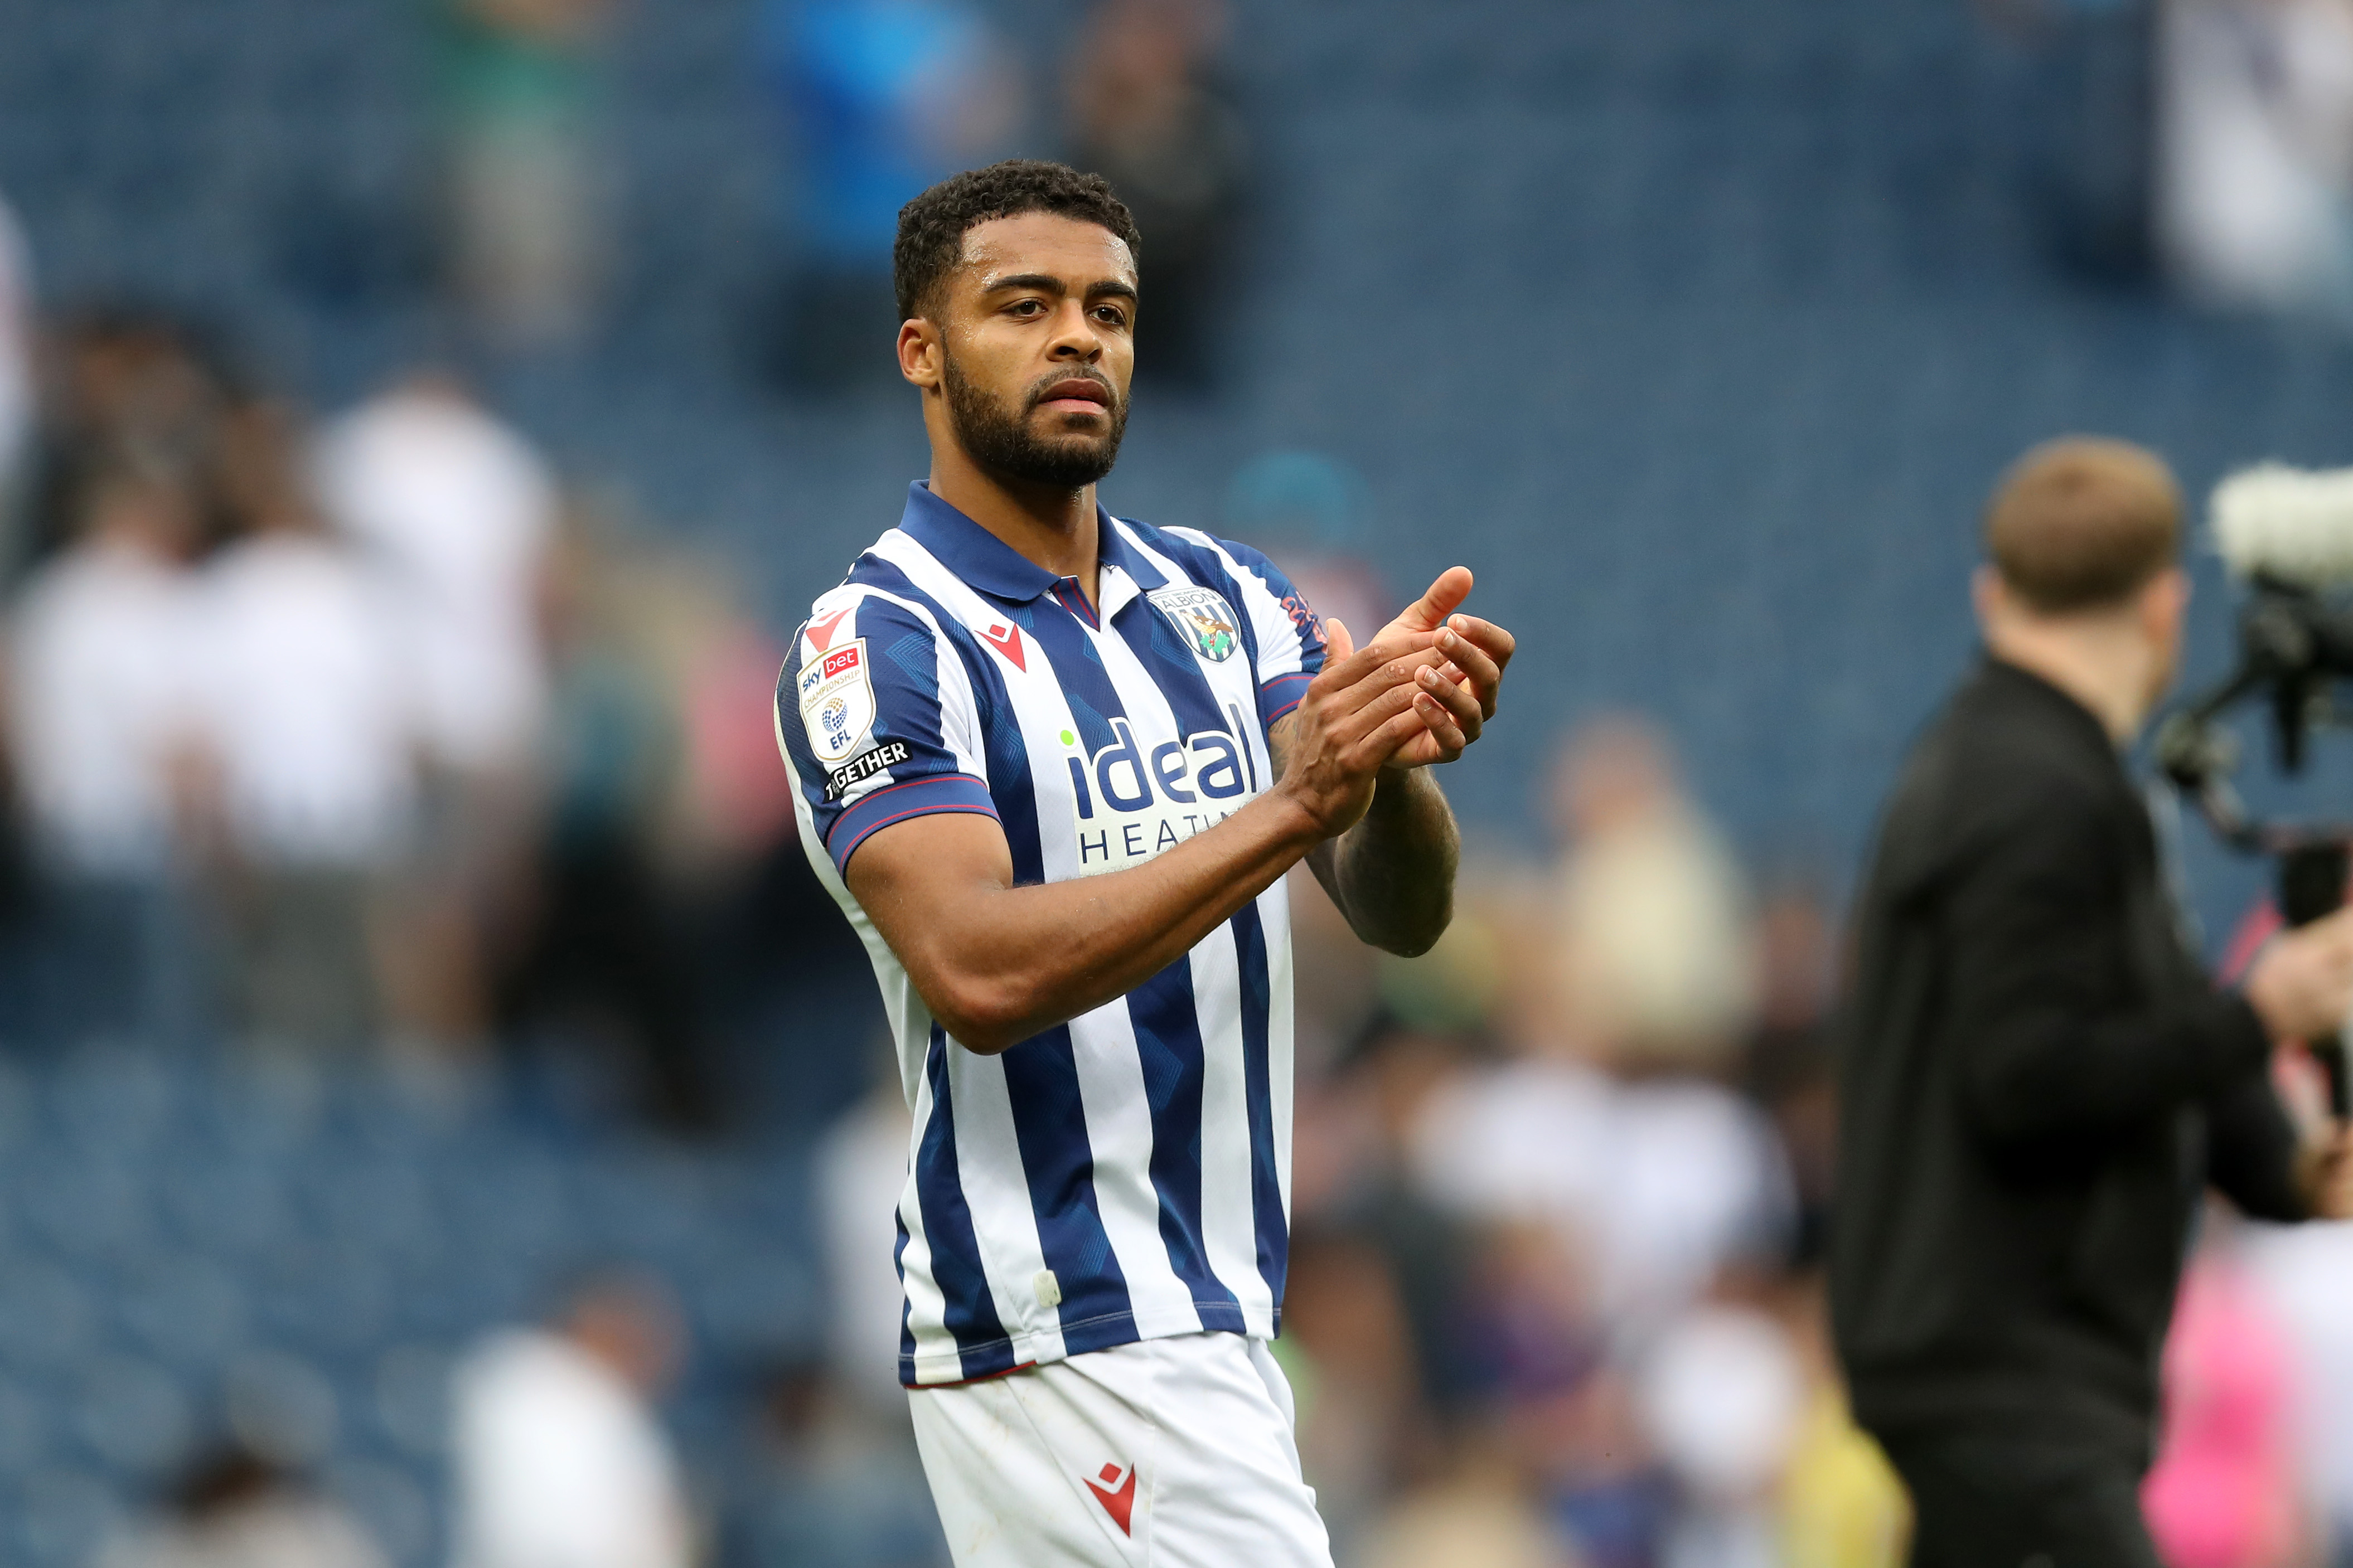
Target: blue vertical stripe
1258 1079
1168 1043
1050 1123
971 1313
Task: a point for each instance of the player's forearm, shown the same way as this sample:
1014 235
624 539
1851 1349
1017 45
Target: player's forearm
1395 868
1018 960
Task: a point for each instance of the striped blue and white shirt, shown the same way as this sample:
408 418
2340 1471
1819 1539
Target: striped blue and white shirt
1125 1175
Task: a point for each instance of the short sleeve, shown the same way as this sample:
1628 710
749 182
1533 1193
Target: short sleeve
877 717
1289 633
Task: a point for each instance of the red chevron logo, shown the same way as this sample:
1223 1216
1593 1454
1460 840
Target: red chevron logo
1007 640
821 633
1119 1504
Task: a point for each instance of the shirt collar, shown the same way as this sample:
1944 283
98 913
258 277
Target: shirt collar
977 556
985 561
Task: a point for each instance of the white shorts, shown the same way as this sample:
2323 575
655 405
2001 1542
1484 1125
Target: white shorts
1173 1453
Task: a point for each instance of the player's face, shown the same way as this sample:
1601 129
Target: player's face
1039 348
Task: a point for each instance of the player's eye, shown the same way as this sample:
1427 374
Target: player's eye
1028 310
1111 314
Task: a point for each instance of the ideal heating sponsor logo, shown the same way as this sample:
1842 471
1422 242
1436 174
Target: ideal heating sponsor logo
1136 801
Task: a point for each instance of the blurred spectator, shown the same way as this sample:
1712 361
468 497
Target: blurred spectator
1654 958
560 1461
235 1509
1659 1182
1480 1519
2224 1492
2258 133
15 358
101 725
459 513
456 513
1378 1283
1145 114
123 387
862 1169
1348 1349
603 947
309 722
1723 1394
518 90
103 643
883 99
1842 1503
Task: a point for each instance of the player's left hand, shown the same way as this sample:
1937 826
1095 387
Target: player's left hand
2325 1172
1458 695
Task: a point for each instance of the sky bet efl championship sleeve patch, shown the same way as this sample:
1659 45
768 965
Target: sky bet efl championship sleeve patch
837 702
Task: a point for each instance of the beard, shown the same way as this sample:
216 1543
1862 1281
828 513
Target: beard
1002 440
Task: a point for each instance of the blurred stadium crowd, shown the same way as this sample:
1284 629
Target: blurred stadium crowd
441 1120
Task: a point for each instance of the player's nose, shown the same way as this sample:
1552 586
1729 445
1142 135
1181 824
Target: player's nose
1075 337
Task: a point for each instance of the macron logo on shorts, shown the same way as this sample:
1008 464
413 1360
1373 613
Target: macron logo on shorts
1117 1496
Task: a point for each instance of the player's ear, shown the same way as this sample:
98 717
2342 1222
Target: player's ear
920 351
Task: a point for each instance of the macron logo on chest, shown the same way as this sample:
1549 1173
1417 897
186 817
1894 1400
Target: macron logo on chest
1007 640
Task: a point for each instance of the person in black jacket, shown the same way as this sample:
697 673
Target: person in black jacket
2037 1081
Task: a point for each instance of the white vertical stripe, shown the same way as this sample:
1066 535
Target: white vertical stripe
1274 919
1119 1128
988 1159
1229 1218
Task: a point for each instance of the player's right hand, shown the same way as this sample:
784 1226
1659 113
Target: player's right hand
1354 717
2302 987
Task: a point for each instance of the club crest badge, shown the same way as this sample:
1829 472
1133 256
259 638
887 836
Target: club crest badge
1203 618
837 700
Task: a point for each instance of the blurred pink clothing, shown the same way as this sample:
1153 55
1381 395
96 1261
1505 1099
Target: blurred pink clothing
2223 1491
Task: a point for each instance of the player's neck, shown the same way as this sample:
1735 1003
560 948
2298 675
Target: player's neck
1046 525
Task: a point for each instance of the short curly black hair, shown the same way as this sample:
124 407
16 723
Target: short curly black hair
932 227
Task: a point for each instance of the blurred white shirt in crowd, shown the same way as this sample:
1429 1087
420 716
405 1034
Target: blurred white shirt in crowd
2257 132
559 1463
16 347
460 511
861 1168
2304 1274
1721 1396
1659 1182
307 702
102 672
